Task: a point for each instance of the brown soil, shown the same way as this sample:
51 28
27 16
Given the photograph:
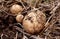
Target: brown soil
11 29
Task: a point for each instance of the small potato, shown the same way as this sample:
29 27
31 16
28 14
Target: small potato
19 18
15 9
34 22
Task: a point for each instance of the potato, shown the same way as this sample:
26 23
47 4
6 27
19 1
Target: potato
34 22
15 9
19 18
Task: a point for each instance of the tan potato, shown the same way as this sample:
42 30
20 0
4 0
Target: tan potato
19 18
15 9
34 22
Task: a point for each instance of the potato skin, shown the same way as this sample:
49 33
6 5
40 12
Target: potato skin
34 22
16 9
19 18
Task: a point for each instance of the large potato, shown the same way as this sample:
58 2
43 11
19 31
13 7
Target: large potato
34 22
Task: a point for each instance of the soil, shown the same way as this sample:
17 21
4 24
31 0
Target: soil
11 29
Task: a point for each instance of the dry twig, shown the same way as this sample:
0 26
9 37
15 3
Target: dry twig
53 13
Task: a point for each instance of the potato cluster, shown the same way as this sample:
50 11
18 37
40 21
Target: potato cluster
33 22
